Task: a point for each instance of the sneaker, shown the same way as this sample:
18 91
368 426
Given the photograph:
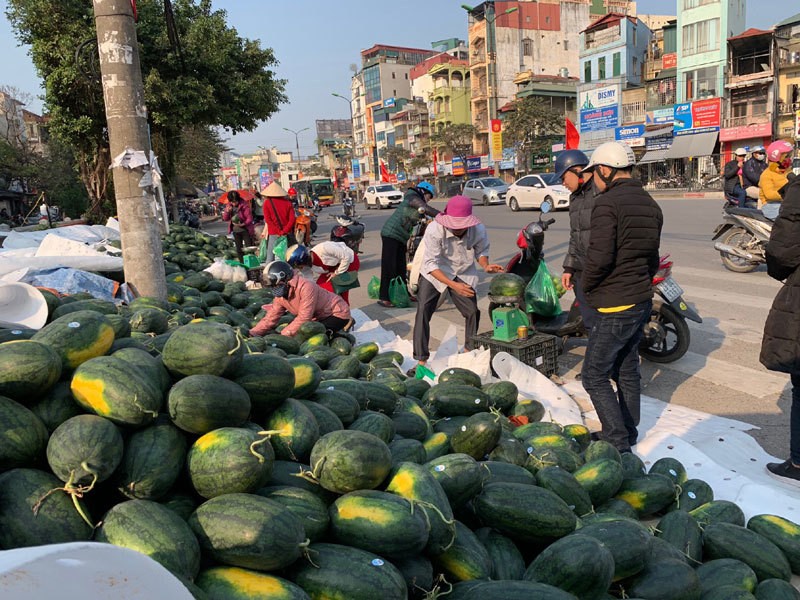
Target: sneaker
385 304
785 472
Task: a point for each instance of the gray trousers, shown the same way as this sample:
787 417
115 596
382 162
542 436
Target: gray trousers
271 241
427 300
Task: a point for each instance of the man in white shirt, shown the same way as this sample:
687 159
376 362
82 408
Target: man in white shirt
454 242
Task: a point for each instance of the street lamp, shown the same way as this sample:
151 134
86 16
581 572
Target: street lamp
352 128
491 43
296 144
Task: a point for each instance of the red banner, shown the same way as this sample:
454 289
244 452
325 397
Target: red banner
573 137
706 113
669 61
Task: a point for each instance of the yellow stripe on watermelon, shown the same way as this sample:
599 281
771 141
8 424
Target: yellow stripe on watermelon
90 393
783 524
635 499
101 345
354 508
207 441
403 484
461 571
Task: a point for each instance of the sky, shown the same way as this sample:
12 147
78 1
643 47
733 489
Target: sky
316 41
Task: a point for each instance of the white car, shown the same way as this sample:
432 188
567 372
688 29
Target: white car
380 196
531 190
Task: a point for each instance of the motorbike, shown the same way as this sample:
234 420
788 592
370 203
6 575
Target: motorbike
414 261
743 236
305 225
189 218
356 229
666 335
348 206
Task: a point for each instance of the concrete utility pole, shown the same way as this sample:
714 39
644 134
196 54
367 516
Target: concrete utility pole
127 128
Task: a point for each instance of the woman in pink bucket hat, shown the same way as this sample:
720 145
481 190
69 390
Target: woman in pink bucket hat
454 243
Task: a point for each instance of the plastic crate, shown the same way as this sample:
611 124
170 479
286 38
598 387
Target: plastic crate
539 350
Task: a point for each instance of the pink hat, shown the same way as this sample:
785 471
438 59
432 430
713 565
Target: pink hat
458 214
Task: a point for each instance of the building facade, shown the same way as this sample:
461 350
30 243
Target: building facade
787 41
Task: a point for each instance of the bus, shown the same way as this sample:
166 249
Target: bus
320 188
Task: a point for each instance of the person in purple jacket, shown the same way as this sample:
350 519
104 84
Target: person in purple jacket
240 222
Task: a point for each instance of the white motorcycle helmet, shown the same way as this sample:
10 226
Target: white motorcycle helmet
612 154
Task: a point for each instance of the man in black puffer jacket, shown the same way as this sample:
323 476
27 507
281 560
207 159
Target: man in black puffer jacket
569 168
617 280
780 349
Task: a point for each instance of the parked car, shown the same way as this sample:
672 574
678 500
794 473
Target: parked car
486 190
380 196
531 190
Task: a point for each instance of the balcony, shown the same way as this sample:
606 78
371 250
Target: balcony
789 57
479 92
633 112
744 121
597 39
788 108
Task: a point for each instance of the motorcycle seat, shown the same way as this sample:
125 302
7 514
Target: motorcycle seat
752 213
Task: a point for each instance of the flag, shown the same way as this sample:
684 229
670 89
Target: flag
573 137
435 163
384 173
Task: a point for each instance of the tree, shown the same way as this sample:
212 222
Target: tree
317 170
198 153
455 139
395 157
420 161
197 72
529 127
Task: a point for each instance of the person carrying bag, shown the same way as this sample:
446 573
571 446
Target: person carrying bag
278 221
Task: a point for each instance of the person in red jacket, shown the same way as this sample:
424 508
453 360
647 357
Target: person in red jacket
239 216
278 217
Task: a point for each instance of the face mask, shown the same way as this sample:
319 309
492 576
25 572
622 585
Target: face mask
280 290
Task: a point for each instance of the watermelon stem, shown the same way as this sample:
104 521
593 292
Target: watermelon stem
238 345
75 492
266 437
435 509
136 403
306 552
435 592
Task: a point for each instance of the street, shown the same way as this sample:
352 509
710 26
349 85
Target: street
720 374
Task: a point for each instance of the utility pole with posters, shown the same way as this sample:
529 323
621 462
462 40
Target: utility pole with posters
126 114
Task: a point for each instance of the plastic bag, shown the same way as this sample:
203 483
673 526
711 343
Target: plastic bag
541 296
374 288
280 248
262 251
398 293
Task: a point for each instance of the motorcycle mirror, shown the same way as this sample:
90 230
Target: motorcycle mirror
421 211
546 207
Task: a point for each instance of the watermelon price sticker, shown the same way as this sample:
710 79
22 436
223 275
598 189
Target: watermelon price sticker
692 495
74 325
439 468
463 428
377 562
477 400
16 331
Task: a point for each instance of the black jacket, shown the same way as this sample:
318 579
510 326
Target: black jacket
780 348
730 176
752 170
581 204
623 249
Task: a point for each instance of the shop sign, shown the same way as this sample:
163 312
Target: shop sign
473 164
745 132
660 116
669 61
698 116
633 135
598 119
458 165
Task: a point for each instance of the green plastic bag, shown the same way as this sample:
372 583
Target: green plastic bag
374 288
281 246
262 251
398 293
541 296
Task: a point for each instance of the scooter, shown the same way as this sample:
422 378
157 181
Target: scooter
666 335
743 236
355 229
348 207
305 225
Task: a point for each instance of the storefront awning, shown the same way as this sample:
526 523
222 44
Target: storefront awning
652 156
698 144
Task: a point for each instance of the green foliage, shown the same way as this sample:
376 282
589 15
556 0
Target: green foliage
455 139
316 170
395 156
529 127
218 79
198 153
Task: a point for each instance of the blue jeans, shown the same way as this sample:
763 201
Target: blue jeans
794 421
771 210
587 312
613 354
739 195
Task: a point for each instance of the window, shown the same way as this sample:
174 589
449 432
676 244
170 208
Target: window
634 36
687 4
406 75
702 36
566 44
372 84
636 72
394 75
380 136
587 71
601 68
661 92
616 64
701 83
527 47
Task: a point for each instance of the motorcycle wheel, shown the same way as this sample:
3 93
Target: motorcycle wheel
738 238
666 335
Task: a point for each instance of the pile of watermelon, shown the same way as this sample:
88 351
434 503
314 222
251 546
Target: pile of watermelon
189 249
308 467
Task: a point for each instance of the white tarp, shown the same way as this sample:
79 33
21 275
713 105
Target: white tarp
88 234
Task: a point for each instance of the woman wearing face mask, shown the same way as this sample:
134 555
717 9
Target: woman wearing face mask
303 298
779 155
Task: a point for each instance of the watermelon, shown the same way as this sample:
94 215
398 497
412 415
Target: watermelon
632 466
784 533
245 530
509 449
341 403
502 395
379 522
436 445
56 406
681 530
11 335
34 512
452 399
418 573
601 449
23 433
507 285
345 461
670 467
532 409
600 478
99 306
776 589
377 397
152 461
201 403
578 564
325 418
148 365
466 558
460 476
155 531
693 494
581 435
77 337
204 347
410 425
507 560
307 506
229 460
665 579
84 450
647 494
112 388
565 486
718 511
355 389
150 320
507 590
268 380
365 352
233 583
375 423
723 572
336 571
182 505
28 369
307 377
461 376
295 431
407 450
725 540
477 436
627 540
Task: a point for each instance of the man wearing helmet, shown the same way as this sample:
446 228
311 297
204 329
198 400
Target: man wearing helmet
617 279
335 262
779 155
569 168
395 234
732 176
303 298
752 169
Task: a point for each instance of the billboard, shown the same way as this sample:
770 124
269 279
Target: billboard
660 116
669 61
599 97
698 116
264 178
473 164
598 119
497 139
388 103
633 135
458 165
356 169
